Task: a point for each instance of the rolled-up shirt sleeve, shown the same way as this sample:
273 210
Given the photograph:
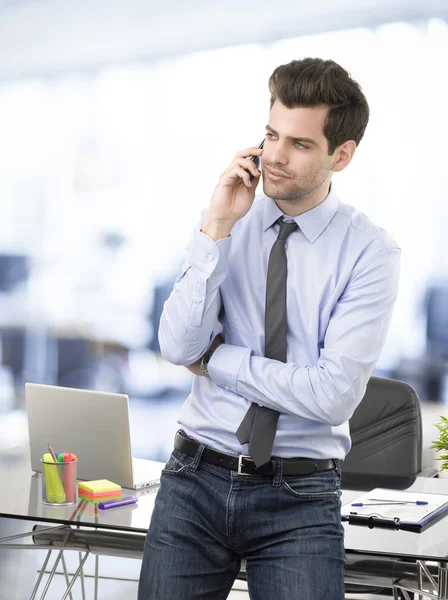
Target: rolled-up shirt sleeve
189 320
329 391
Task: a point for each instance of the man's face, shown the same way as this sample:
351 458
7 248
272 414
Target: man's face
295 157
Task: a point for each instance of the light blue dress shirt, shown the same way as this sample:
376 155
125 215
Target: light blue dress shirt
342 283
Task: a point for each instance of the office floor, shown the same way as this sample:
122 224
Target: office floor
153 424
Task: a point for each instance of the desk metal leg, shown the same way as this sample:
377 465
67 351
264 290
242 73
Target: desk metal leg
76 575
420 583
97 564
65 534
67 581
443 582
56 562
41 574
65 538
438 585
83 589
423 570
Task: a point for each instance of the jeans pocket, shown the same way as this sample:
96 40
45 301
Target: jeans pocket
177 463
320 486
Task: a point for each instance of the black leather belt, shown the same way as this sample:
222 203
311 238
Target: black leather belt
245 465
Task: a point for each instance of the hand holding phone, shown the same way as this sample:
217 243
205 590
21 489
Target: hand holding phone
234 194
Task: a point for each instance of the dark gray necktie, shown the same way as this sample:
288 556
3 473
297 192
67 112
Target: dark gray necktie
260 423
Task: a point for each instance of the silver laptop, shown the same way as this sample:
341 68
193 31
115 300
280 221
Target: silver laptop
92 425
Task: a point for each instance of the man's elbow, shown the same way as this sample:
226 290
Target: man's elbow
338 420
338 412
338 402
175 351
179 353
174 358
179 356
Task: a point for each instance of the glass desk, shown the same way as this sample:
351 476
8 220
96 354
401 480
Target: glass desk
375 557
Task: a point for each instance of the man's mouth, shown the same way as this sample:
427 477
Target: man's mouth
272 174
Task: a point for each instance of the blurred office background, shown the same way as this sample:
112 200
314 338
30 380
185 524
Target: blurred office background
116 119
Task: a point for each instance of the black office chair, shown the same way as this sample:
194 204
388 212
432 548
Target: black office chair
386 432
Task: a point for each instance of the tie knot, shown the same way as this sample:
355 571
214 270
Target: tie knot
285 229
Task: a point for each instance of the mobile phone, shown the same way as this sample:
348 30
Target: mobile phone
255 159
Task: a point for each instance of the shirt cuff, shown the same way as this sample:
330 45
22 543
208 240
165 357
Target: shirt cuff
225 364
207 255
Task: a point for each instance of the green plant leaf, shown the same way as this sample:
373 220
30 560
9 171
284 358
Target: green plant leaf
441 444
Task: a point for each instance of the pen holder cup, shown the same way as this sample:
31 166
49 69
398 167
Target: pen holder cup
59 485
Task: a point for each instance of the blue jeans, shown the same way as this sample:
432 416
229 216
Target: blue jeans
207 519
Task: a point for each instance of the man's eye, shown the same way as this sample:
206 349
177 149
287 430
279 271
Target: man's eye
301 146
270 136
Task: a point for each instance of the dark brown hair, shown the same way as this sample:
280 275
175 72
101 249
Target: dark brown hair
317 82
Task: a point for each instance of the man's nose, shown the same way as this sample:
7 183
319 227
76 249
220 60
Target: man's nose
279 155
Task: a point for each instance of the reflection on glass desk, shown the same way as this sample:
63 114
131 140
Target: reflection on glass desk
133 517
21 493
379 558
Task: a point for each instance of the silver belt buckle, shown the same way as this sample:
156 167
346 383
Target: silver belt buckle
240 464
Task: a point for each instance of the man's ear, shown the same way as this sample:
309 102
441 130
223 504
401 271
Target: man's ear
343 155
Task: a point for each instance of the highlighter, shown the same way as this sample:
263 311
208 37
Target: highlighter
68 475
53 483
70 483
117 503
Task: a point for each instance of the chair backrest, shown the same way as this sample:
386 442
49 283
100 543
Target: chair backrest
386 432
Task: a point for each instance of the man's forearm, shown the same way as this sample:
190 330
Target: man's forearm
195 302
195 368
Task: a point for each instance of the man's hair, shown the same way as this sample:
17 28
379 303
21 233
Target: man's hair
316 82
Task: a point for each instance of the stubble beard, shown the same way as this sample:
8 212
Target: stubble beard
289 193
292 190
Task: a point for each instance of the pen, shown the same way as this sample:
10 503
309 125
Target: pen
116 503
390 503
53 455
395 501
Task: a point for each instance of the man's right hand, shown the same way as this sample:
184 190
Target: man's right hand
233 196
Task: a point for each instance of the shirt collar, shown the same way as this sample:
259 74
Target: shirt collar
312 222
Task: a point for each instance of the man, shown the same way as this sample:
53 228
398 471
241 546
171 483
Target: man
281 312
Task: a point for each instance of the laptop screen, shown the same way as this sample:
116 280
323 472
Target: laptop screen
93 425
